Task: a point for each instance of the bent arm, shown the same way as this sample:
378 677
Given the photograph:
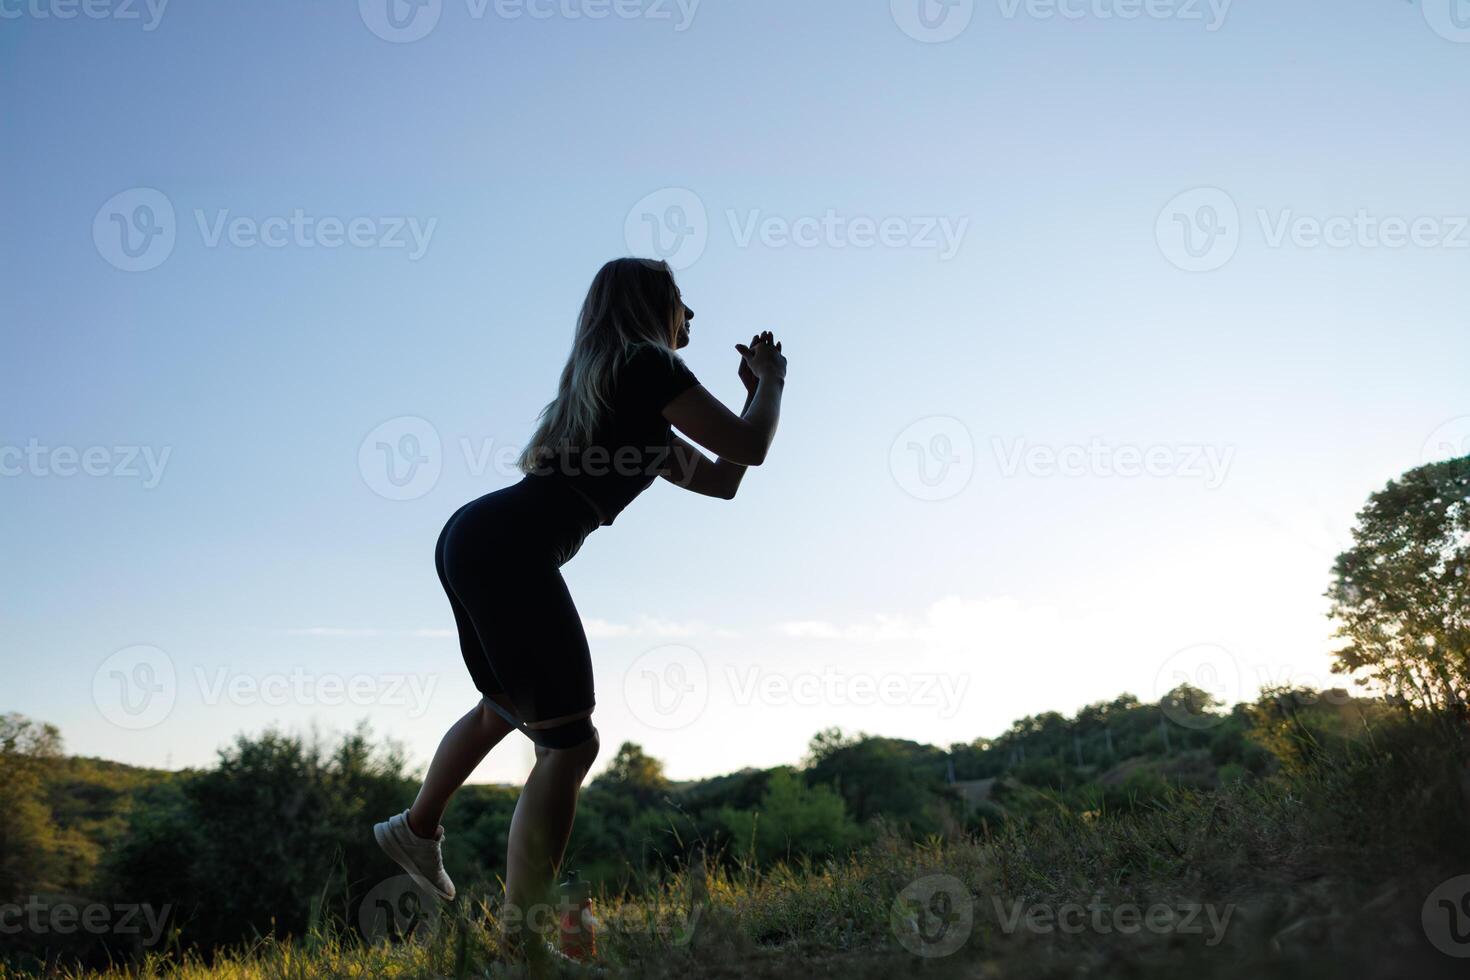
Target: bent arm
692 470
740 439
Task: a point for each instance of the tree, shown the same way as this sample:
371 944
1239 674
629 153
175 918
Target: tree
635 774
792 819
895 778
249 846
27 838
1401 593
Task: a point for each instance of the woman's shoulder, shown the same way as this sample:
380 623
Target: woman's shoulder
656 372
653 357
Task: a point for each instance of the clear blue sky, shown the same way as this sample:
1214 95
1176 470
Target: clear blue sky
1055 333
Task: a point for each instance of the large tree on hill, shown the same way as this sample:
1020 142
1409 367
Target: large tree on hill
635 774
27 838
1401 593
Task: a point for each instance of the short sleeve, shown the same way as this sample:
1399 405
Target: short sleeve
661 376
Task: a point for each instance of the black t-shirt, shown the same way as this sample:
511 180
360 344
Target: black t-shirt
632 446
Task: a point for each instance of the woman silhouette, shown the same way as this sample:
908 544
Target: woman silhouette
599 444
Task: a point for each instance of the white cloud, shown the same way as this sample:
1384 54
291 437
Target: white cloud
650 626
332 631
881 628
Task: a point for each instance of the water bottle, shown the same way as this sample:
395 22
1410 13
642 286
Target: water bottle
578 921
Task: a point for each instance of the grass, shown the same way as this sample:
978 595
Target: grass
1320 871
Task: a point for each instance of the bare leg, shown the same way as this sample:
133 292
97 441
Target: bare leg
542 823
463 748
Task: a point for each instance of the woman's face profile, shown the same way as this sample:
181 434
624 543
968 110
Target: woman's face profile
681 317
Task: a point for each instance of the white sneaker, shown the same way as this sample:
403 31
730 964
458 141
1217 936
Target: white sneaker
421 857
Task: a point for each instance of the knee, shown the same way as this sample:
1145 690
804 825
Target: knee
587 751
582 756
579 751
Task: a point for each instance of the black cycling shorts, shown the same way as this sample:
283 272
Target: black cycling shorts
499 559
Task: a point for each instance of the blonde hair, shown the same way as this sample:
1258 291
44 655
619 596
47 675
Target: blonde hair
630 303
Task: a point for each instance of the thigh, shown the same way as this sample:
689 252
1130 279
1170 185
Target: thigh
532 638
470 647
